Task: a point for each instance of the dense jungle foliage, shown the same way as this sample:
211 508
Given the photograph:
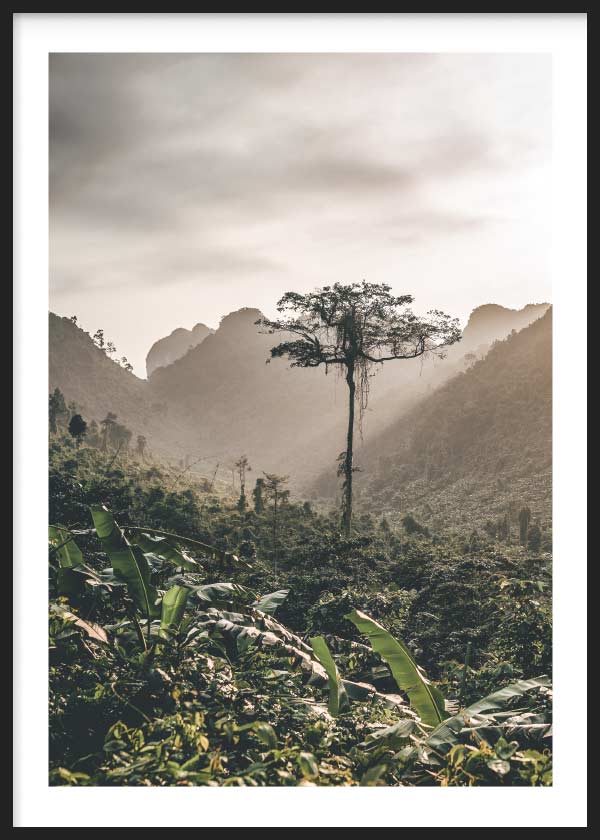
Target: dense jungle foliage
206 638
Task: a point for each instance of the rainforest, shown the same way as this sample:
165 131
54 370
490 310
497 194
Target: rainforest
218 622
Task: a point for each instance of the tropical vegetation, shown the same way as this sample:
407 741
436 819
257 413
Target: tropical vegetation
199 637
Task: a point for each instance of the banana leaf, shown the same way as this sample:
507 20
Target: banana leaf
425 698
364 692
265 632
498 698
172 609
94 631
224 593
474 716
209 550
69 557
244 631
165 549
267 622
128 562
393 736
67 551
338 699
269 603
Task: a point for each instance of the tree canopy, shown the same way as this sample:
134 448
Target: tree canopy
360 323
356 327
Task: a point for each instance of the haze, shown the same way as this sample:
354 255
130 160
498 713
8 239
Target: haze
183 187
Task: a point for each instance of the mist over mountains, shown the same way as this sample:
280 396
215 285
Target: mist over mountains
167 350
214 395
97 384
477 446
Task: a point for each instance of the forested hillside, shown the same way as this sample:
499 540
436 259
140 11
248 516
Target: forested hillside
210 402
97 384
237 402
477 448
491 323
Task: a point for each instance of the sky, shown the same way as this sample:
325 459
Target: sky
185 186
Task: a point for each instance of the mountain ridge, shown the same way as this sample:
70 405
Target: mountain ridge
225 397
172 347
479 443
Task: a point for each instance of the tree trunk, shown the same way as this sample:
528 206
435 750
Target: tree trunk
347 499
275 530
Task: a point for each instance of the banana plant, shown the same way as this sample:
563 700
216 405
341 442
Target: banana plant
172 610
128 562
262 630
426 699
246 631
270 603
67 551
94 631
162 548
224 593
480 713
136 534
165 545
338 699
69 557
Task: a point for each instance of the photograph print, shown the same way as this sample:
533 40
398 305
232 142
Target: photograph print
300 419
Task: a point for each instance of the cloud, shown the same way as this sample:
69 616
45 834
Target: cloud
252 171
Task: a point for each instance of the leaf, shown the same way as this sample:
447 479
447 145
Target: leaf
269 603
427 700
372 777
499 766
365 692
504 749
308 765
69 554
503 695
70 558
69 582
267 622
128 561
445 735
338 699
172 609
265 734
310 707
165 549
94 631
391 735
245 631
176 539
219 593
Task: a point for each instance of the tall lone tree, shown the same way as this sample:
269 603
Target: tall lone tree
354 328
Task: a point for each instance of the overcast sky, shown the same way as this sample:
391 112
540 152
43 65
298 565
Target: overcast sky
185 186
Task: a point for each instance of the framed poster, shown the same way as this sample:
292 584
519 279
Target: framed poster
288 294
